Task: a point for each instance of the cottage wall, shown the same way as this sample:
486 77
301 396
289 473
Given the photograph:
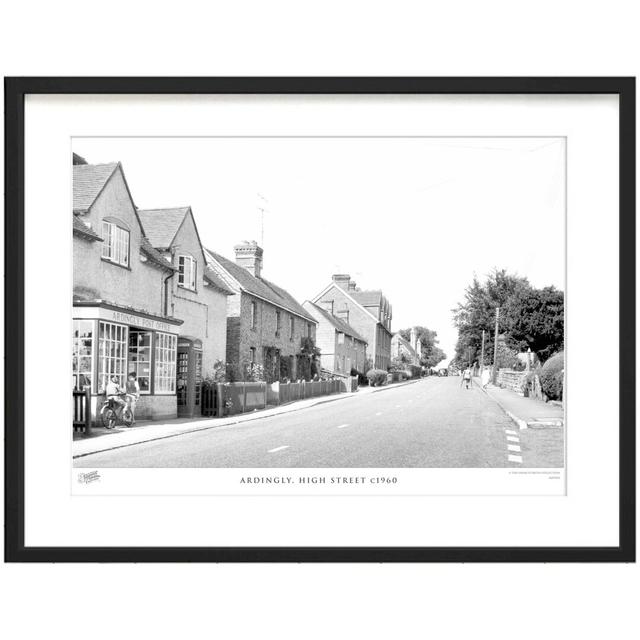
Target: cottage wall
140 284
241 336
203 310
378 339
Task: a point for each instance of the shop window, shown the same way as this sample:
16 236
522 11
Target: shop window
115 243
165 371
82 354
112 354
187 268
140 358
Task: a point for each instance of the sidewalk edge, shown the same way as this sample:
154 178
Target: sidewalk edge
243 417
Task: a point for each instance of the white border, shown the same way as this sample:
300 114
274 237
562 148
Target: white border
589 513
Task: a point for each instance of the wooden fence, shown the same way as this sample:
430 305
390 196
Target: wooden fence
241 397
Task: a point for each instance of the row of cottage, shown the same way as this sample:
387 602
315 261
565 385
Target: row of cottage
149 298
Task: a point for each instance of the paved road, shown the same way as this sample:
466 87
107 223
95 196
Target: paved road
431 423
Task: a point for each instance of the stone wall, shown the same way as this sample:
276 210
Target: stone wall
509 379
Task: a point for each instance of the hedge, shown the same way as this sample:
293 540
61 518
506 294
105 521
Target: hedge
377 377
552 377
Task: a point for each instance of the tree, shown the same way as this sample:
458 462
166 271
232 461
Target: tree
529 317
432 354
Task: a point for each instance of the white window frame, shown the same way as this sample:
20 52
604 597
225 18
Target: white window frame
113 352
115 243
76 351
164 370
187 272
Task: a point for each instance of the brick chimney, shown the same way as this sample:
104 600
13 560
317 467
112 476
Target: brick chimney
249 256
352 285
342 280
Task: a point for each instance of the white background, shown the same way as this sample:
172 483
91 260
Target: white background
490 38
54 517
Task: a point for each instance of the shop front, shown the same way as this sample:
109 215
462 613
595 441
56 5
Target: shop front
110 340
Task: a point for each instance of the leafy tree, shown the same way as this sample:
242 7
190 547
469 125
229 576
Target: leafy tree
431 352
529 317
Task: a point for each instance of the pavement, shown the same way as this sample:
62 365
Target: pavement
102 439
525 412
430 423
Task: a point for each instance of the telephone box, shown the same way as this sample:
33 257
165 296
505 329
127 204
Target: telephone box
189 377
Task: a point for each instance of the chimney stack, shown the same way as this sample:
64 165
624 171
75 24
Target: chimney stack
342 280
249 256
352 285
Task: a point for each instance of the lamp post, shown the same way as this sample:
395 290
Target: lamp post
495 348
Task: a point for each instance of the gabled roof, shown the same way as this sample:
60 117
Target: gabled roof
154 256
88 182
404 343
367 298
82 229
216 281
162 225
338 323
260 287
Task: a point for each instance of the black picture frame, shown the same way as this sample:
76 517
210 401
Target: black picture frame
15 91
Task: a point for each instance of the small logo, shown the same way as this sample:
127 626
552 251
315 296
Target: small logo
90 476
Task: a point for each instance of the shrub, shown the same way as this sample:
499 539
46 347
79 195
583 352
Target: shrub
552 377
377 377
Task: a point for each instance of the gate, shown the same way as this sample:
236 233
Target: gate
82 411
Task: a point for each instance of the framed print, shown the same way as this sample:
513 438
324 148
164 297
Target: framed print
320 319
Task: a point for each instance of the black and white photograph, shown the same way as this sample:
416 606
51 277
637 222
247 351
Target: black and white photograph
321 302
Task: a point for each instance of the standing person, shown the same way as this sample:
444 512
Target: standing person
133 393
466 377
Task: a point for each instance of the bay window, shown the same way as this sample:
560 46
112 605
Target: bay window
112 354
165 370
82 354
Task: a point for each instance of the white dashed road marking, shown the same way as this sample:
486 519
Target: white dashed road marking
286 446
513 458
513 439
513 447
511 432
342 426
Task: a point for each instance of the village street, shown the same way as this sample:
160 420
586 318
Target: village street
434 422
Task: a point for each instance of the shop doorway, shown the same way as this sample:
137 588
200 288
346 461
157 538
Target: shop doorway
189 377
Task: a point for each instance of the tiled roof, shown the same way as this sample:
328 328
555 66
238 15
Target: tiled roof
154 256
367 298
88 182
216 281
161 225
81 228
261 287
338 323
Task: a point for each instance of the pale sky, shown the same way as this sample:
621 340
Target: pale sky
415 217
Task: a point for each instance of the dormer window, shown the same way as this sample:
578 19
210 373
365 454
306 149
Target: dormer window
115 243
187 268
